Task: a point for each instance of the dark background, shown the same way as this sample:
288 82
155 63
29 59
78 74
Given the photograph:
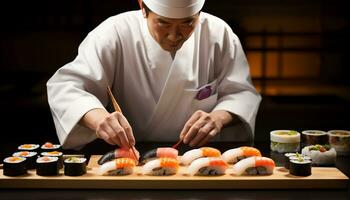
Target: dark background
297 50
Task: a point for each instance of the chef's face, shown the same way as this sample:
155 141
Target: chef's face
171 33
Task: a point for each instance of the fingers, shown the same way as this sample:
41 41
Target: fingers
202 134
189 124
129 136
211 134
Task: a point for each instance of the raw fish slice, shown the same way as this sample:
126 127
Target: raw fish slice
208 166
117 153
193 154
161 167
232 156
159 153
119 166
254 165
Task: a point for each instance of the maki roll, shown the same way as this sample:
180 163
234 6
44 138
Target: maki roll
30 158
322 155
254 165
193 154
47 166
283 141
312 137
117 153
161 167
286 159
74 166
232 156
208 166
48 146
29 147
300 166
14 166
161 152
55 154
340 141
119 166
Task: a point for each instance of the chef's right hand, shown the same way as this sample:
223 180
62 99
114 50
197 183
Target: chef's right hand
113 128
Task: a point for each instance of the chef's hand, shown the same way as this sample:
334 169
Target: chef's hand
114 128
203 126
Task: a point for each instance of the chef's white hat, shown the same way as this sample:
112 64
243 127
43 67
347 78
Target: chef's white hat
175 8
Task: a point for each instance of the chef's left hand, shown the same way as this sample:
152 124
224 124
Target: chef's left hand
203 126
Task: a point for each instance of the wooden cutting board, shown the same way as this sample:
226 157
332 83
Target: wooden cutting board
322 177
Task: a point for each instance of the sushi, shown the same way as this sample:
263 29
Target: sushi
232 156
254 165
300 165
14 166
119 166
159 153
161 167
312 137
193 154
29 147
322 155
48 146
55 154
283 141
208 166
47 166
30 157
340 141
117 153
74 166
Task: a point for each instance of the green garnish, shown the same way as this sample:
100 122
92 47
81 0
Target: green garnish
287 133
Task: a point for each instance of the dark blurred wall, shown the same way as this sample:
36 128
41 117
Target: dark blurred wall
38 37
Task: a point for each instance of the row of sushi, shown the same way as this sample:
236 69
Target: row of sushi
202 161
285 141
46 163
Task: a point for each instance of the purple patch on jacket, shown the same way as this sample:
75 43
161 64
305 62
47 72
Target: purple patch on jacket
204 93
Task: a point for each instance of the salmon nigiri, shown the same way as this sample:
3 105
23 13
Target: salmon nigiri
161 152
193 154
118 153
161 167
119 166
232 156
254 165
208 166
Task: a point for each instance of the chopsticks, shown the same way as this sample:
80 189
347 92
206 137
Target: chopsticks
177 144
118 109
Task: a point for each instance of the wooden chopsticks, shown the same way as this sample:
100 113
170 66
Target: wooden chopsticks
118 109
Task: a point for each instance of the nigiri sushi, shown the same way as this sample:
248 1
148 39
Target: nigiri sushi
119 166
161 167
118 153
160 152
208 166
232 156
193 154
254 165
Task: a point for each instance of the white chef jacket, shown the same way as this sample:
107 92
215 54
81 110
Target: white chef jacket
157 93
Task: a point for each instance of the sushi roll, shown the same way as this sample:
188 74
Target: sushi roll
208 166
74 166
284 141
193 154
30 158
300 166
232 156
254 166
47 166
286 159
322 155
55 154
48 146
14 166
119 166
29 147
340 141
161 152
118 153
161 167
312 137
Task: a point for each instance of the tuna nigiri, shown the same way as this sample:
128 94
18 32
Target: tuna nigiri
118 153
232 156
119 166
193 154
161 152
208 166
254 165
161 167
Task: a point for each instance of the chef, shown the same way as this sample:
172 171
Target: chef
176 72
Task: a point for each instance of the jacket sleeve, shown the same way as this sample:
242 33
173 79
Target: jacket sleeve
80 86
236 93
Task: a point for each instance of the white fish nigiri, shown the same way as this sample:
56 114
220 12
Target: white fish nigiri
193 154
232 156
119 166
161 167
254 165
208 166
